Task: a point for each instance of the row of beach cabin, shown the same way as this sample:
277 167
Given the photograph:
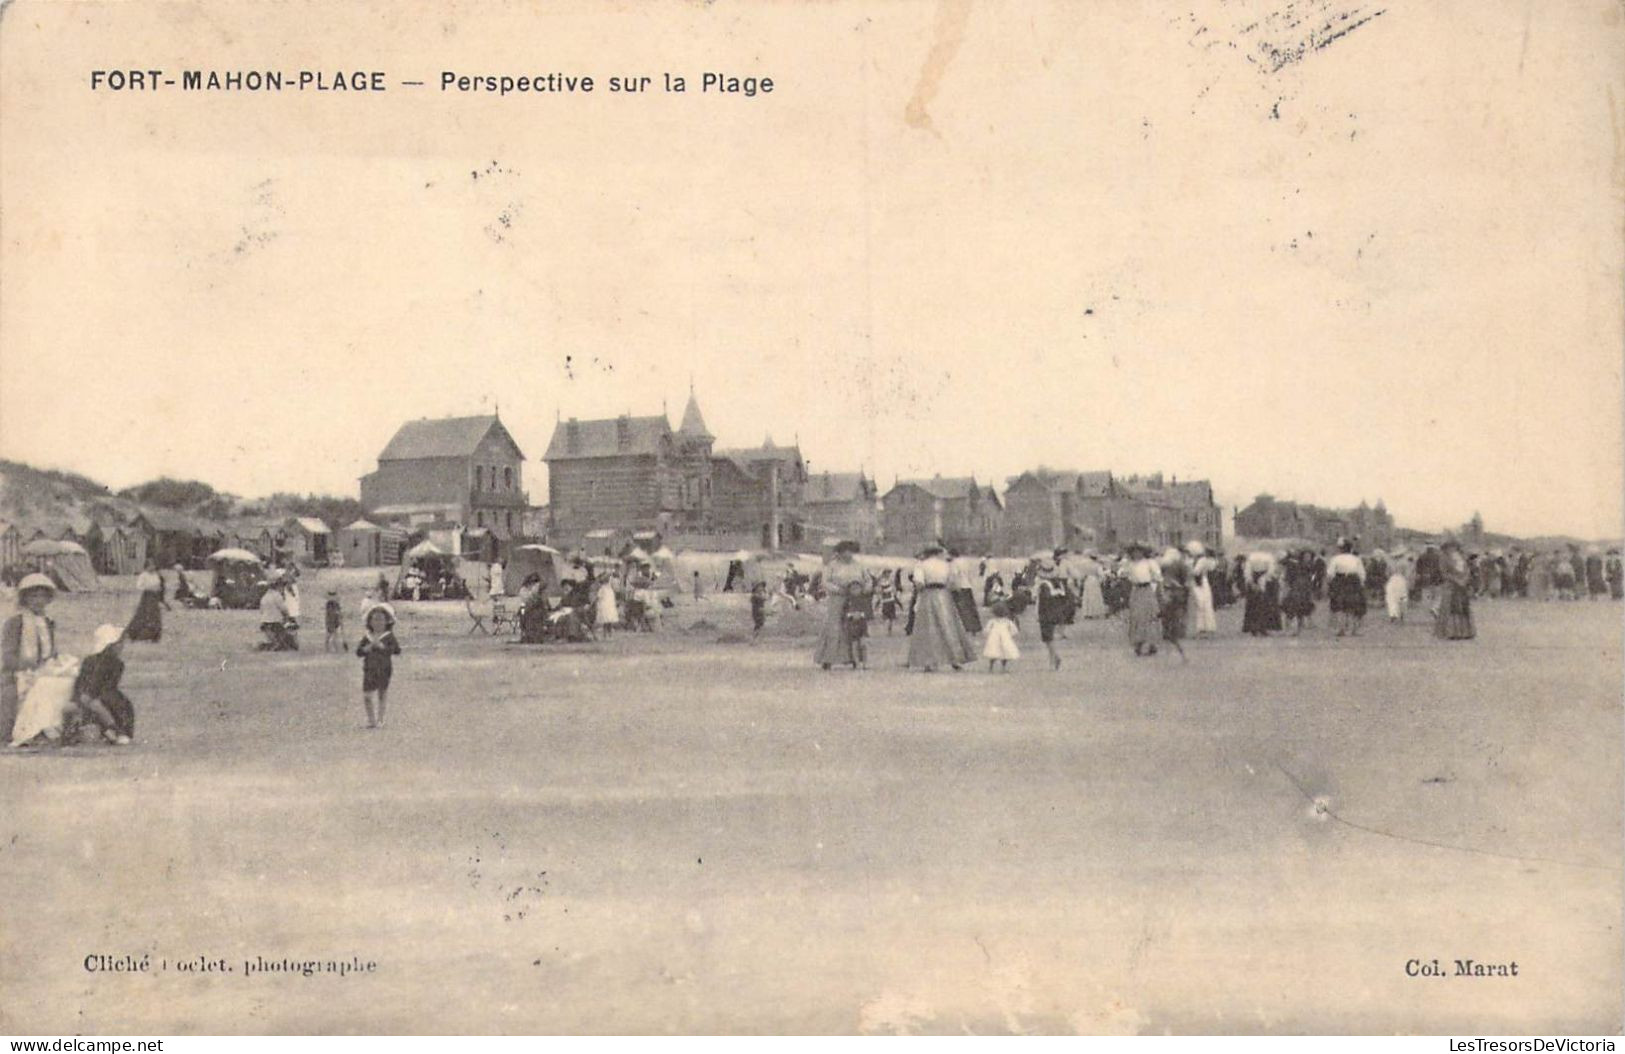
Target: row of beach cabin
168 539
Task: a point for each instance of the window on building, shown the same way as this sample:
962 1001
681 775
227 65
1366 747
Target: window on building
479 477
510 523
479 519
507 479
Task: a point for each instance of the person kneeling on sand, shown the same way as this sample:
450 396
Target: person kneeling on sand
97 691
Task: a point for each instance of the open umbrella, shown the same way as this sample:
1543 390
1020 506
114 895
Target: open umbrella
424 548
47 547
237 555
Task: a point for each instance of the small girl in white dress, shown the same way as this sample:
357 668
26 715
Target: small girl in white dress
1001 639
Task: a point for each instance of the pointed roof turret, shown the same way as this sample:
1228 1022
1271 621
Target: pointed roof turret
693 424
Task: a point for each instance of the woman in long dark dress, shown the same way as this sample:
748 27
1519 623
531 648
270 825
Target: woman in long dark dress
1596 581
1219 580
1175 599
1299 603
962 585
1262 614
1346 590
148 623
1455 618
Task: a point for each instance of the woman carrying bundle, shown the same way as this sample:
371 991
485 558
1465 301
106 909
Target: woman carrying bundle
1202 581
1455 618
835 641
1262 614
1175 600
1345 589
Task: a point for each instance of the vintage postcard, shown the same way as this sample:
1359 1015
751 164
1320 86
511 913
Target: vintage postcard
845 517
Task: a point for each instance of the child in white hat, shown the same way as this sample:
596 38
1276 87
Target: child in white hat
97 690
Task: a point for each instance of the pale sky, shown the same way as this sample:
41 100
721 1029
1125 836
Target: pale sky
1105 239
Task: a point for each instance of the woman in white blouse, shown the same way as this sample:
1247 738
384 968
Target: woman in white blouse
938 636
1144 576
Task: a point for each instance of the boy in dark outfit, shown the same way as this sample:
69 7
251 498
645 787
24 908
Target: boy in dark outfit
758 609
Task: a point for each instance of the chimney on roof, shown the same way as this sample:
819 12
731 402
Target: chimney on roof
572 436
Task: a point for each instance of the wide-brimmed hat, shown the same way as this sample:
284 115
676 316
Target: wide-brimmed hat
845 545
36 581
1195 548
105 637
389 612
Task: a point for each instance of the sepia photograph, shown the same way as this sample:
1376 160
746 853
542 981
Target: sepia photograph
847 517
